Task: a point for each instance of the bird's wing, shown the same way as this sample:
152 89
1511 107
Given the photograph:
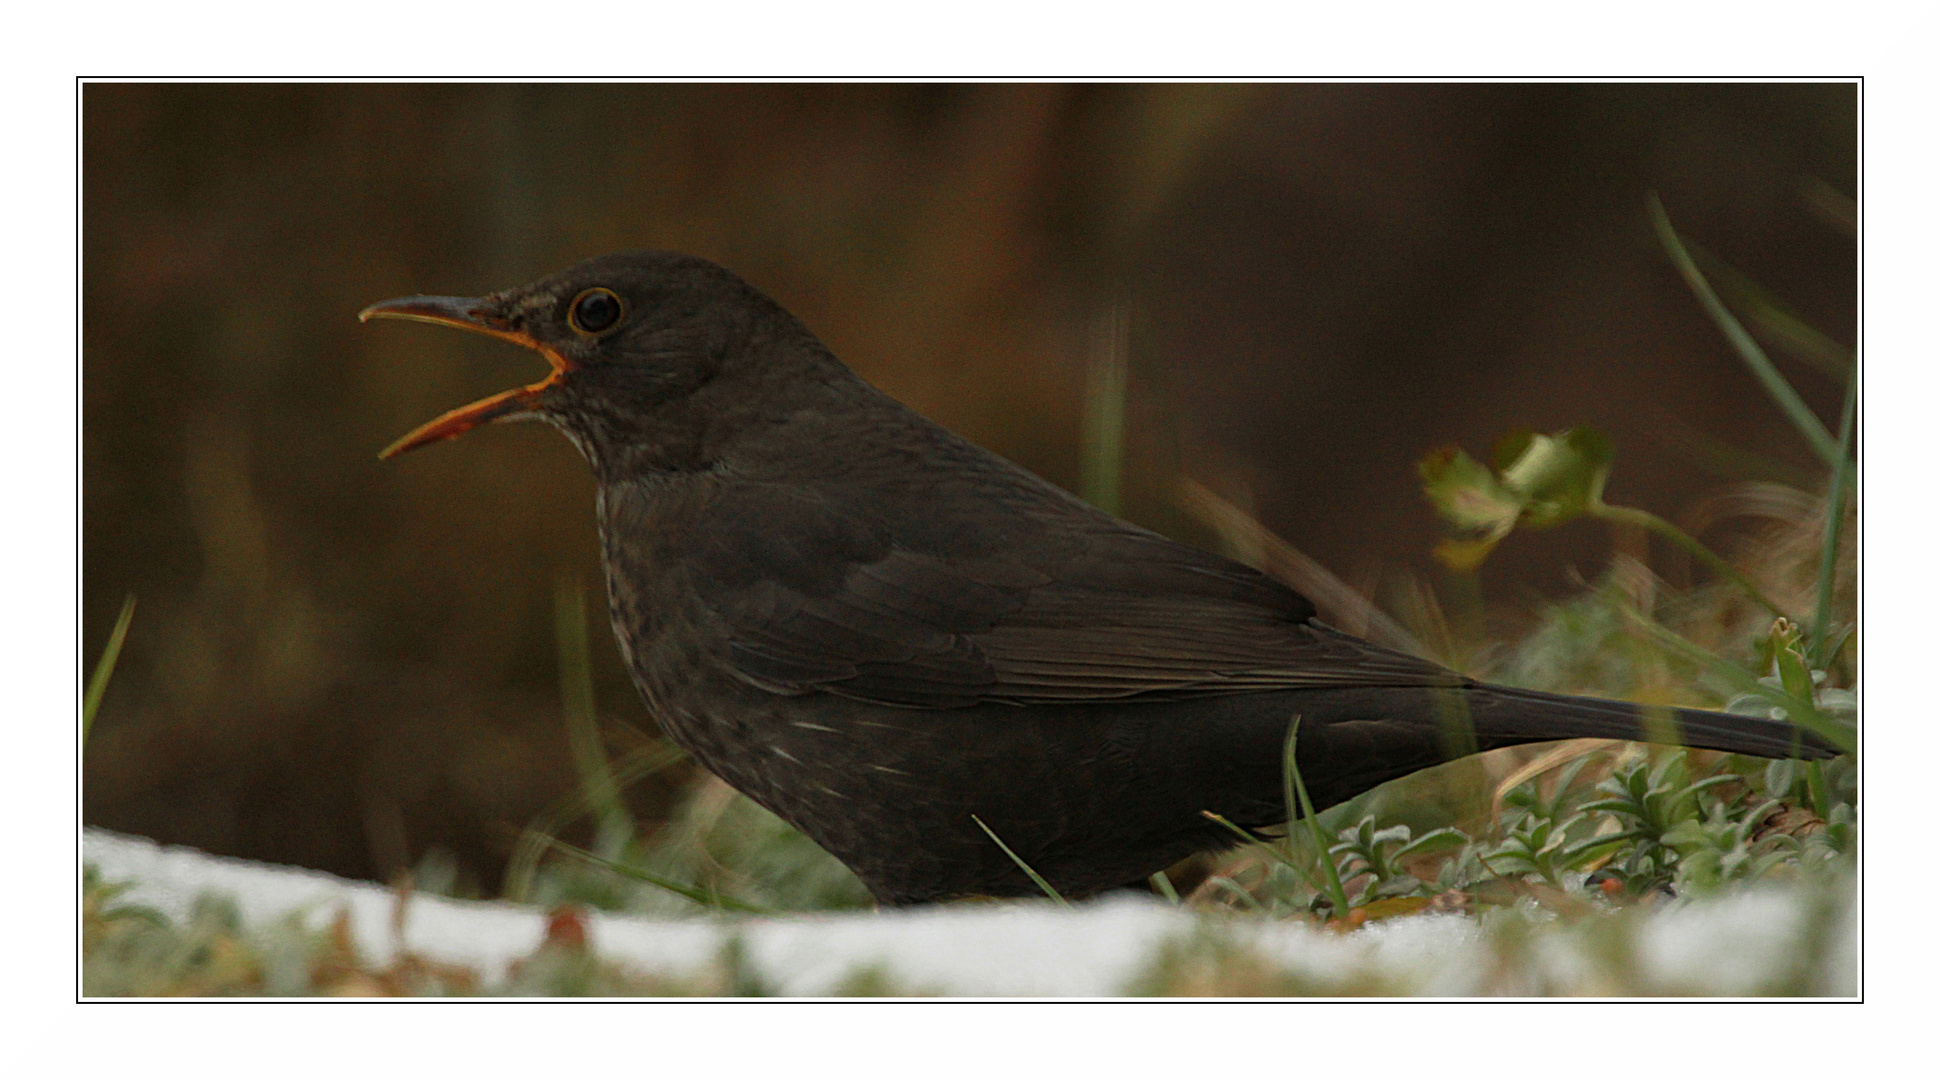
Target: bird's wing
831 594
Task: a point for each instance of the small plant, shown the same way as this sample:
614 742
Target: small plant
1648 829
1550 839
1379 855
1648 804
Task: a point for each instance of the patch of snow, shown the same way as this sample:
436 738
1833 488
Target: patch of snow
1734 945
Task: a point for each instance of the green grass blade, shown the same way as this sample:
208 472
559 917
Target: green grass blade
1778 322
582 718
1815 785
1741 340
1103 437
703 897
1279 854
1834 525
1022 865
523 868
1294 787
104 668
1233 889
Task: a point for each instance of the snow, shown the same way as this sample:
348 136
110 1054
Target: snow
1731 945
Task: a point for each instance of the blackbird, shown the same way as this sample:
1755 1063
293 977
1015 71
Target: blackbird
878 630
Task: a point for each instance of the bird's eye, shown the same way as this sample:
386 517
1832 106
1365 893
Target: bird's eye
595 311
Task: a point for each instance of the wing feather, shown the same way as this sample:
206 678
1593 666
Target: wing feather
825 593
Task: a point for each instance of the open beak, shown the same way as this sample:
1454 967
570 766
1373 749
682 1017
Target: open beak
477 315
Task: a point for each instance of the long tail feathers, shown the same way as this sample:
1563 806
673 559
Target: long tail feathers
1503 715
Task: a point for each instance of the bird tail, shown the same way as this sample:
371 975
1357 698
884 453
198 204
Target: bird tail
1504 716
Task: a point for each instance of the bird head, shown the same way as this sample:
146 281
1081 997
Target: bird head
625 335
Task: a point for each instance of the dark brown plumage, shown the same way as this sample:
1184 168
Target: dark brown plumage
877 629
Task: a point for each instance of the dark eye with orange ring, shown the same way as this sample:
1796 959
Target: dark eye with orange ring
595 311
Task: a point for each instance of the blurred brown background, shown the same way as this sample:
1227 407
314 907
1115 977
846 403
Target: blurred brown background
343 663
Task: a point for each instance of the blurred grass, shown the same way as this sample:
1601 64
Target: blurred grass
1102 439
104 669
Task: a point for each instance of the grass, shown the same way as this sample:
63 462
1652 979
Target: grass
104 669
1037 879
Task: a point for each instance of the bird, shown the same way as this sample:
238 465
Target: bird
931 661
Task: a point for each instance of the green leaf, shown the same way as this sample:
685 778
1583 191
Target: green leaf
1584 850
1788 657
1559 476
1393 834
1539 481
1465 492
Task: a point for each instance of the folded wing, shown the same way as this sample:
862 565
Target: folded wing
822 592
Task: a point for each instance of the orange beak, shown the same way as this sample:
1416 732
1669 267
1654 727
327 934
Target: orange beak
474 314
